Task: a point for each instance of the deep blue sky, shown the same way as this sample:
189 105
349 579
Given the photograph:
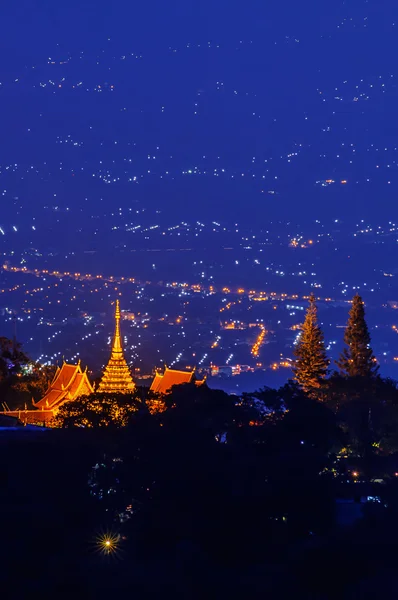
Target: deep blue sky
276 96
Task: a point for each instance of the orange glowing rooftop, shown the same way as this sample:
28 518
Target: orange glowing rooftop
163 382
69 383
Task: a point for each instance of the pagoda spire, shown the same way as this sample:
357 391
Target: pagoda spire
117 377
117 347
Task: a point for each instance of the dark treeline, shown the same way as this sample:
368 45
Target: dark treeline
203 494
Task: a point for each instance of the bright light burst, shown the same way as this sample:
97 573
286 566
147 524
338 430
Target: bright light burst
108 543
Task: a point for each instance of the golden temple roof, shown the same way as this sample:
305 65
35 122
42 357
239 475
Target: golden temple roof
117 377
162 383
69 383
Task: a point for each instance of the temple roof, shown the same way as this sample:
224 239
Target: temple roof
64 376
162 383
69 382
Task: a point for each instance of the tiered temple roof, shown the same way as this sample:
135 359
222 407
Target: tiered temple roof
69 383
162 383
117 377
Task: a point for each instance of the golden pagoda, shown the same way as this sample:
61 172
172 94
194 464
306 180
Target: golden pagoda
117 377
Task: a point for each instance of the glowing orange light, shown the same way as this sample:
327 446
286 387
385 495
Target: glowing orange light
108 543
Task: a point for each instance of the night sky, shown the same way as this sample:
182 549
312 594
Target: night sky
232 110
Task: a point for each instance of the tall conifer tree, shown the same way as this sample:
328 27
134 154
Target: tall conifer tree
311 361
357 359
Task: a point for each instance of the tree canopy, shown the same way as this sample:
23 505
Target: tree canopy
311 362
98 410
357 358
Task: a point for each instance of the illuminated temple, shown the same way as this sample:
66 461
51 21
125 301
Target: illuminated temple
117 377
163 382
69 383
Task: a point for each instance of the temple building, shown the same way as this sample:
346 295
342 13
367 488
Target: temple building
163 382
117 377
69 383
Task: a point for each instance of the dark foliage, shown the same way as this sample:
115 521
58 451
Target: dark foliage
367 411
208 490
21 380
357 358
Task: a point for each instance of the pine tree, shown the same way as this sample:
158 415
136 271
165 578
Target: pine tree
311 361
357 360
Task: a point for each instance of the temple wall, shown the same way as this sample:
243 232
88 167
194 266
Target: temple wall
31 417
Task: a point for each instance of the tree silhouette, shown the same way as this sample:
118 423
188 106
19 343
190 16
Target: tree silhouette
357 359
311 362
34 382
98 410
12 358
